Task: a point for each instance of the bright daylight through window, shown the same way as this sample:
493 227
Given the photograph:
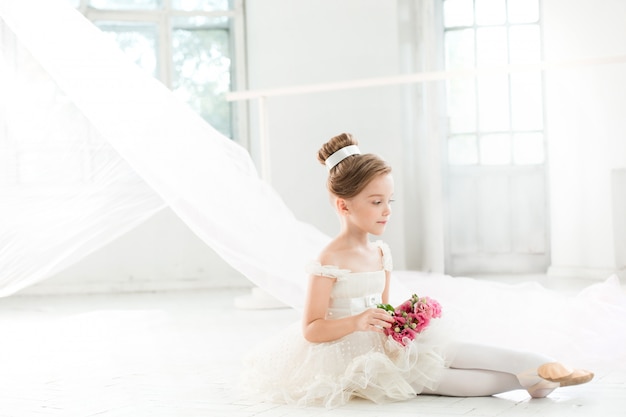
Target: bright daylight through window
188 45
495 119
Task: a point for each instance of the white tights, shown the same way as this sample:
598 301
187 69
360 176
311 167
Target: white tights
478 370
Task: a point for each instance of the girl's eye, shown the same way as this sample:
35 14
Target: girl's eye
378 202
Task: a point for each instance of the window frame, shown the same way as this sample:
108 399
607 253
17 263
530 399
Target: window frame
162 17
479 132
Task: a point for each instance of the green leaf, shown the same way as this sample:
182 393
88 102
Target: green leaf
387 307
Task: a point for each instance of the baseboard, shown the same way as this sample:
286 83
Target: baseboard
597 274
132 286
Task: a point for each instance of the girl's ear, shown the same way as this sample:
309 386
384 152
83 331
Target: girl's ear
342 206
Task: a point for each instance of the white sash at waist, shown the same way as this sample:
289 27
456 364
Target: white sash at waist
341 307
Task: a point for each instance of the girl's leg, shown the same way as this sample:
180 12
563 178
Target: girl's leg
472 356
478 370
474 383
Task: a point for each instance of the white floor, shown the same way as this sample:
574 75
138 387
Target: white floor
177 354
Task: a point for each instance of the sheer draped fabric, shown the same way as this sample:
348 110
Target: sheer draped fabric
109 146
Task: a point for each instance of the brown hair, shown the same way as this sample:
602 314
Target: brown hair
350 176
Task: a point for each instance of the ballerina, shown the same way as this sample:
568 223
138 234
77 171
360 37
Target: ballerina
340 350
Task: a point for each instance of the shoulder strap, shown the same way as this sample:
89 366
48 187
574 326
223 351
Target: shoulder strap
329 271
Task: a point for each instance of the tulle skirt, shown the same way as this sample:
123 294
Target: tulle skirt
289 369
586 330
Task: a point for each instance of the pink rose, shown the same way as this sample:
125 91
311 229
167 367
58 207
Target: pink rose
412 317
423 322
406 307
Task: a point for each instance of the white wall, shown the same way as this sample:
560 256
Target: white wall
318 41
315 41
332 41
586 131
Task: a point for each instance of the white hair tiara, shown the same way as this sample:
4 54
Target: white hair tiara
340 155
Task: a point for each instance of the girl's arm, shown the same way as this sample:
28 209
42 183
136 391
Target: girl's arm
385 295
317 329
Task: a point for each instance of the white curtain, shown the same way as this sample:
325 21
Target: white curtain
91 146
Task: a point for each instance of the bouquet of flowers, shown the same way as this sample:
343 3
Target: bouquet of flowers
411 317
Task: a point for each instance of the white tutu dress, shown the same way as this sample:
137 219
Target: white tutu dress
289 369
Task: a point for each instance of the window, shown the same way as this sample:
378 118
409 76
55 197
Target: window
189 45
495 119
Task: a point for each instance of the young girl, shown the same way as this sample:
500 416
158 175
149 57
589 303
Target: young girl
341 350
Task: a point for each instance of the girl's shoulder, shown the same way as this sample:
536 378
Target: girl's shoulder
328 271
328 260
334 262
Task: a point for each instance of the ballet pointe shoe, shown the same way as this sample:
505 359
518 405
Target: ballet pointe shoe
542 381
556 372
542 389
535 385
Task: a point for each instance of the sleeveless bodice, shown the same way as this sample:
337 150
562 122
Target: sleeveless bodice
354 292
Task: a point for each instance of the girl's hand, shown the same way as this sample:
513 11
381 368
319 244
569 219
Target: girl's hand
373 319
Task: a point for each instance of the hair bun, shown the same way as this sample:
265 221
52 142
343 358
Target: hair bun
333 145
350 171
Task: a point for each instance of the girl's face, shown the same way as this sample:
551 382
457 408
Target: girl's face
370 209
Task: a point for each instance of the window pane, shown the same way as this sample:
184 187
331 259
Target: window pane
526 101
525 44
137 40
491 46
202 69
462 105
458 13
493 103
528 148
126 4
495 149
462 150
459 48
204 5
490 12
459 45
523 11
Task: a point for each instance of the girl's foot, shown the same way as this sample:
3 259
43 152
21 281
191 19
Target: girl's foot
556 372
542 389
542 381
536 386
